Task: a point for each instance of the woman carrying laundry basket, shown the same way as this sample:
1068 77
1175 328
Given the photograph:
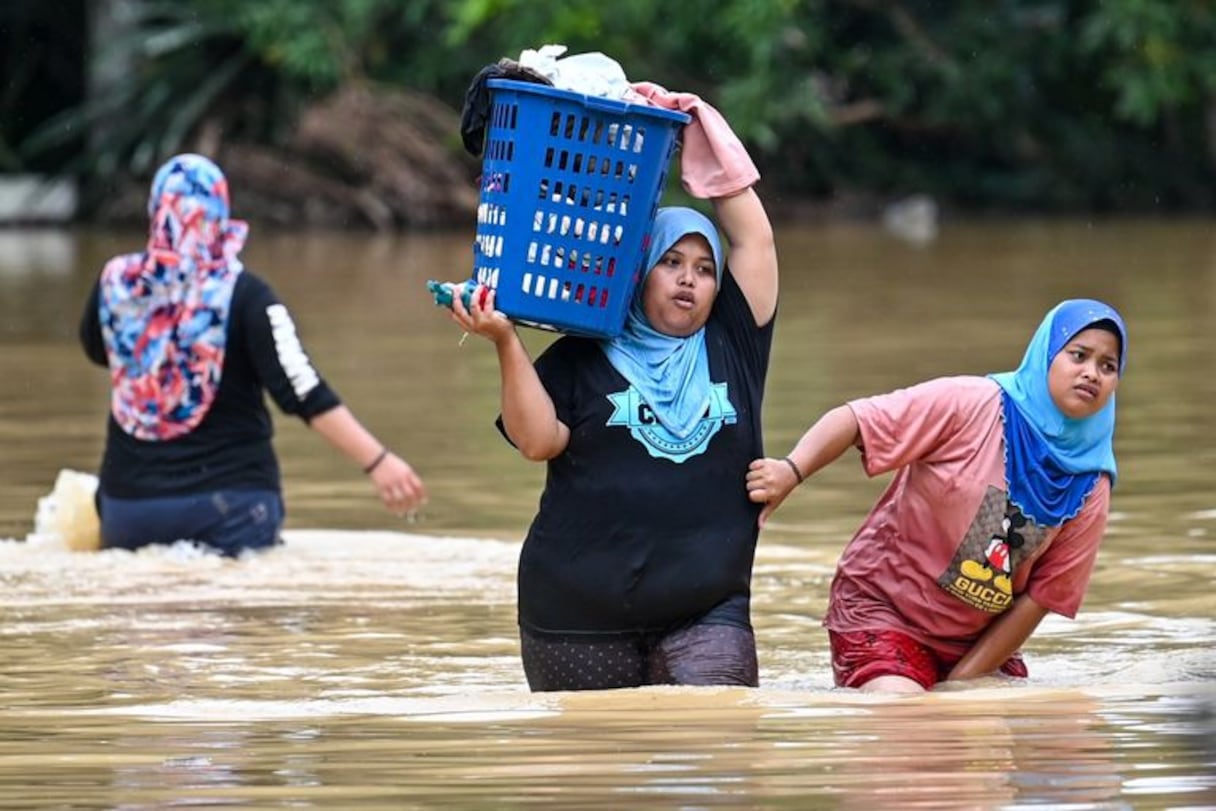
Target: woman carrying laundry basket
636 569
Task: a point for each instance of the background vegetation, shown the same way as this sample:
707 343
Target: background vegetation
1007 105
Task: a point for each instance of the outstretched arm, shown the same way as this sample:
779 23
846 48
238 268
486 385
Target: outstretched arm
769 481
528 413
1000 640
396 482
285 371
753 251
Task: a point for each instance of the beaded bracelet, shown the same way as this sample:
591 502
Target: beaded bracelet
376 462
793 467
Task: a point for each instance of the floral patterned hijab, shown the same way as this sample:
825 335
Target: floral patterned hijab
164 312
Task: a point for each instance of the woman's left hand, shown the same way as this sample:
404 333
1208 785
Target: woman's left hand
769 481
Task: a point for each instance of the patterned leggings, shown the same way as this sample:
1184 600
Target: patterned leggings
695 654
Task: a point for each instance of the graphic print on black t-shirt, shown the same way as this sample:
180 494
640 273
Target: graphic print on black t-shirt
631 411
999 539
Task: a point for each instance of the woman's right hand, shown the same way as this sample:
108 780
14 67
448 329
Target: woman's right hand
481 318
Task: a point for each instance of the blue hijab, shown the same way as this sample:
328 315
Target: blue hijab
1053 461
671 374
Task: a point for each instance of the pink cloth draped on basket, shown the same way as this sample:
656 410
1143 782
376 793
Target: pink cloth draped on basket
713 161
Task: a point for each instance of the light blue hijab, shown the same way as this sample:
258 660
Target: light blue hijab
1052 461
671 374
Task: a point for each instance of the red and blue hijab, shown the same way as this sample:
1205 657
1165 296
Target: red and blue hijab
164 312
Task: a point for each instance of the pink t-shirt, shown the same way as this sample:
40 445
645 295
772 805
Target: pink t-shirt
935 558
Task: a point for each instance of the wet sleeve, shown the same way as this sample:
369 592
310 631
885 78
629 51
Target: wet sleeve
91 339
279 359
555 367
753 343
1061 574
926 422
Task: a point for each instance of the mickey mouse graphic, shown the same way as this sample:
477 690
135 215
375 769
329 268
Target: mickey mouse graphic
997 564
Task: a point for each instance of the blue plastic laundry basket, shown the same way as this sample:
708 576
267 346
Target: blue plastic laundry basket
569 188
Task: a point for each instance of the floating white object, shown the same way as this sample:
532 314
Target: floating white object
67 517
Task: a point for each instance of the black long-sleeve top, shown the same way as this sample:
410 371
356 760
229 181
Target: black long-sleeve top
231 448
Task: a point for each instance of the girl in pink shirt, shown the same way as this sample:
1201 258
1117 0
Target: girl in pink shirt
994 515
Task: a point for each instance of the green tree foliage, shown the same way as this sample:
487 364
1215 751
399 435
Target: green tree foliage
180 63
41 70
1158 59
245 65
1010 104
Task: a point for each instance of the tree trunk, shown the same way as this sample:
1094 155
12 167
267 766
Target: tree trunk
1212 130
112 55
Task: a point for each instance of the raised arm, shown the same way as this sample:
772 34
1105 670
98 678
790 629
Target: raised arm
528 413
753 252
714 165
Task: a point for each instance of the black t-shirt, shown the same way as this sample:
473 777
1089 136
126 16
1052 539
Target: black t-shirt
231 447
636 530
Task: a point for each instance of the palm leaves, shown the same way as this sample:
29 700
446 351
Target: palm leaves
155 72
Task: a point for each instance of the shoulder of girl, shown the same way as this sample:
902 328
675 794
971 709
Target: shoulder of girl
955 385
